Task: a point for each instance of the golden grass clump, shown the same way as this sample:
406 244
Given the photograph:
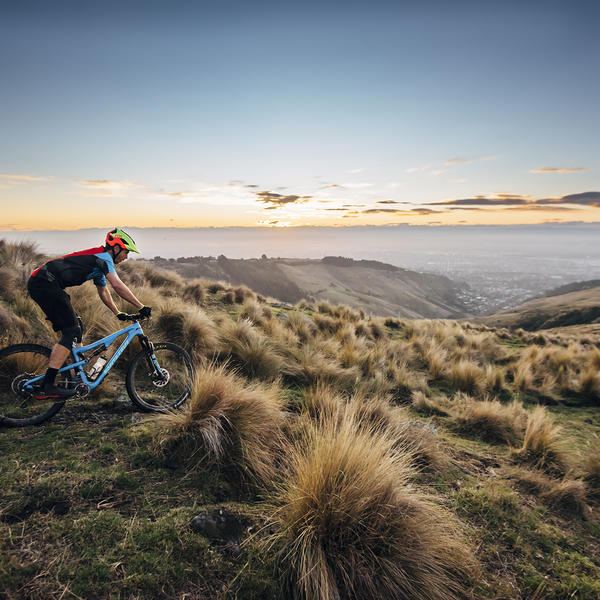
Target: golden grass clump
159 277
252 310
347 524
187 326
543 445
252 352
436 405
467 376
325 307
489 420
436 359
314 366
589 382
327 324
303 326
591 467
569 494
195 292
226 420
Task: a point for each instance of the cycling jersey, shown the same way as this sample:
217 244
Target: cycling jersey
77 268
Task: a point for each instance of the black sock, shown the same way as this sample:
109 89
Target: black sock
50 376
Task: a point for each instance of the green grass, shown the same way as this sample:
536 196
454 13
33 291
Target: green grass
88 511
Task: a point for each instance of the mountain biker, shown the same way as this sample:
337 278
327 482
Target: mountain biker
46 287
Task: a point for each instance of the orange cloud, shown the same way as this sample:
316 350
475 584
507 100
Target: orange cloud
558 170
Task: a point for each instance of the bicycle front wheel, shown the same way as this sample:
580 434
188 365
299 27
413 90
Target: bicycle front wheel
18 406
160 394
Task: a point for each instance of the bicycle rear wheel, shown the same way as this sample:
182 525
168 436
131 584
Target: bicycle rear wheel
160 394
18 406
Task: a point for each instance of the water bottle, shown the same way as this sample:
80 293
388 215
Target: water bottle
98 365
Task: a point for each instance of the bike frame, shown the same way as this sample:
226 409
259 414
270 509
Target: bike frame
132 331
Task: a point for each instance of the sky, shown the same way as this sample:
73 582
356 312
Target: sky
194 114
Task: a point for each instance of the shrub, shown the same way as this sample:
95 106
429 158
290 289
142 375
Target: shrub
347 524
230 420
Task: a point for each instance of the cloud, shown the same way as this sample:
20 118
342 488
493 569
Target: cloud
277 200
388 202
585 198
21 177
558 170
337 209
504 200
106 183
354 171
395 211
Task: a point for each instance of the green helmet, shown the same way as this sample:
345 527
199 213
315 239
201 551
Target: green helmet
117 237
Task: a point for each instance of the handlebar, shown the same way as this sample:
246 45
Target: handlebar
135 317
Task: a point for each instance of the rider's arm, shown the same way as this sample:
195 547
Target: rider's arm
122 290
107 298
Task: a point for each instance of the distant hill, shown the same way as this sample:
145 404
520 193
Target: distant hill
379 288
574 304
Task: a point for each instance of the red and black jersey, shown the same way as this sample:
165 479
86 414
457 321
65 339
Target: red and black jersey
78 267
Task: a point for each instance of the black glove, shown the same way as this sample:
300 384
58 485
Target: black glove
145 312
122 316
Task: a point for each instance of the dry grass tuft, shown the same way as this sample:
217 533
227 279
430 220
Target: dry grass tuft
489 420
467 376
543 445
591 468
195 292
230 421
436 405
348 525
569 494
252 352
187 326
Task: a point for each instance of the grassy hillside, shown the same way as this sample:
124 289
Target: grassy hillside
579 307
377 287
324 454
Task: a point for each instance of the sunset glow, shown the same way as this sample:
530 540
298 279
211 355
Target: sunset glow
276 116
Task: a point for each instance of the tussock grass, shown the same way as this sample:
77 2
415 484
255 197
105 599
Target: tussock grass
227 420
467 376
543 445
314 366
188 326
303 326
489 420
251 351
568 494
591 467
195 292
436 405
347 525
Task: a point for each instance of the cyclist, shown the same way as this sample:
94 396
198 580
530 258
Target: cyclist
46 286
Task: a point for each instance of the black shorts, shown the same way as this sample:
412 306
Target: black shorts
54 301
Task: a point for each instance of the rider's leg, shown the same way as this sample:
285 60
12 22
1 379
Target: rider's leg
56 304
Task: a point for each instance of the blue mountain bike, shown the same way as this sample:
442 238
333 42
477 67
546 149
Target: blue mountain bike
159 376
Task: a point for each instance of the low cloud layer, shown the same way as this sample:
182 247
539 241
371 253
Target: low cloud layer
558 170
506 200
277 200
